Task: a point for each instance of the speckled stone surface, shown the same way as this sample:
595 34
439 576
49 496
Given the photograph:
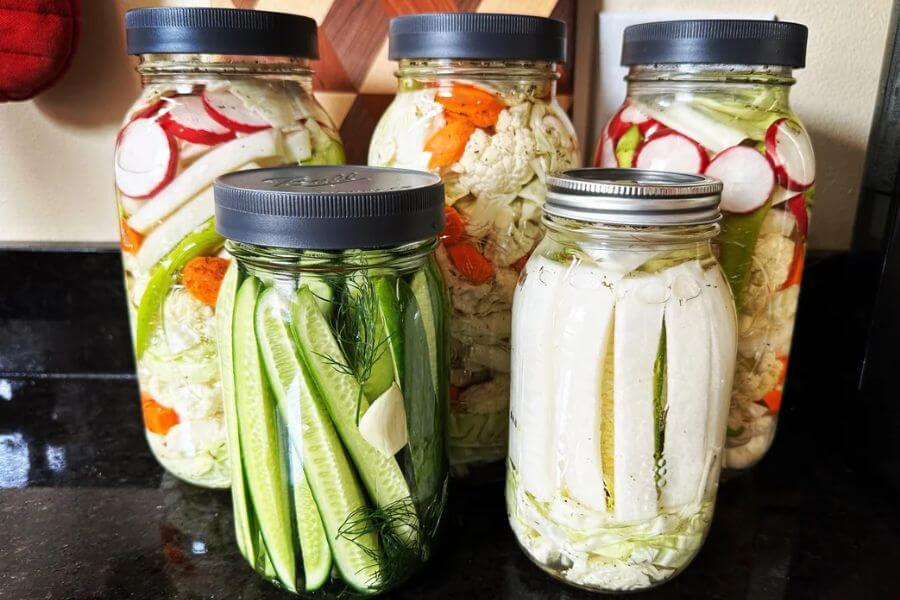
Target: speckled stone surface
85 512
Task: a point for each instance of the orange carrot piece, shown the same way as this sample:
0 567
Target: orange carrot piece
157 418
479 106
796 272
773 399
454 228
202 277
470 263
129 239
448 143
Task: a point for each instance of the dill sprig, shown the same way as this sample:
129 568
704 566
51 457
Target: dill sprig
398 527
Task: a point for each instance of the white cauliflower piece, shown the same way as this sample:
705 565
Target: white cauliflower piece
486 398
399 139
489 328
487 357
754 378
188 321
497 164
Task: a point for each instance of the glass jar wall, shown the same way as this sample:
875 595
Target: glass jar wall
207 108
733 122
334 363
486 119
623 347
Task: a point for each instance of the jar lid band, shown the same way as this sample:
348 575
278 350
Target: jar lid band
466 35
716 41
634 197
173 30
329 207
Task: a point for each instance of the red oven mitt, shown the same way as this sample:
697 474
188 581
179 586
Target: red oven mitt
37 42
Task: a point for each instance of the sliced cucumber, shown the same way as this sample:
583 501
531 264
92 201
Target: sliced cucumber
344 399
284 376
196 244
224 319
389 310
422 294
261 455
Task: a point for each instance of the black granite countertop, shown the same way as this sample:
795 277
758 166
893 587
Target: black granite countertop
86 513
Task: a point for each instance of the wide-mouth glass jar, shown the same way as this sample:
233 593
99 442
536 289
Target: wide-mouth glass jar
477 105
712 97
623 349
223 90
333 344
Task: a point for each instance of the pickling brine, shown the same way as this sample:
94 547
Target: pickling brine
493 130
623 346
734 123
199 116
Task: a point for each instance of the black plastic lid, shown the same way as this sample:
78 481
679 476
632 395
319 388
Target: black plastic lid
716 41
329 208
467 35
220 31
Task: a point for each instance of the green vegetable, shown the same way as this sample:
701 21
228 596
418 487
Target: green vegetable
385 288
198 243
659 401
325 472
224 318
344 400
626 147
737 243
262 457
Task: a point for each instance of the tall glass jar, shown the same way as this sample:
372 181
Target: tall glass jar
712 97
477 104
333 347
222 91
623 348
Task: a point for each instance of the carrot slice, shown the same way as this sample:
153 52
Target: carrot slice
202 277
796 272
157 418
773 400
129 239
470 263
479 106
448 143
455 227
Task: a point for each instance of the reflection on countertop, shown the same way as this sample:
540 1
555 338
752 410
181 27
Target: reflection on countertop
85 511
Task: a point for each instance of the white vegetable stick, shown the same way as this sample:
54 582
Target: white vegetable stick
637 328
182 222
202 172
687 384
720 307
583 320
532 428
131 205
711 134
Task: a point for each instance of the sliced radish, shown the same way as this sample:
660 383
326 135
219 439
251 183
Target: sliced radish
222 159
228 110
790 151
653 128
627 116
747 178
797 206
149 111
146 158
187 119
671 152
606 154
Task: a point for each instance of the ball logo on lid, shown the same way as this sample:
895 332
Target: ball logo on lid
307 181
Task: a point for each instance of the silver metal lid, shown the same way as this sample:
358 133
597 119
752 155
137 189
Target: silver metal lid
633 197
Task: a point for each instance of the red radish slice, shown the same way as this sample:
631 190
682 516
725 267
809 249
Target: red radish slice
791 153
627 116
606 154
797 206
149 111
187 119
671 152
747 178
228 110
146 158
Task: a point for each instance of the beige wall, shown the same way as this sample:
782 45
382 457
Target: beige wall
57 150
834 95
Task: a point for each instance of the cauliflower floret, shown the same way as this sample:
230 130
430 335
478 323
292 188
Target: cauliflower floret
489 328
484 356
770 328
497 164
771 266
754 378
188 321
506 246
471 299
485 398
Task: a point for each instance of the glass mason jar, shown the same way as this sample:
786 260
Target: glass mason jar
484 116
623 348
333 347
724 111
215 99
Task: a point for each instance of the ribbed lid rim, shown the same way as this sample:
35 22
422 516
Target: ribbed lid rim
329 207
712 41
220 31
633 197
467 35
